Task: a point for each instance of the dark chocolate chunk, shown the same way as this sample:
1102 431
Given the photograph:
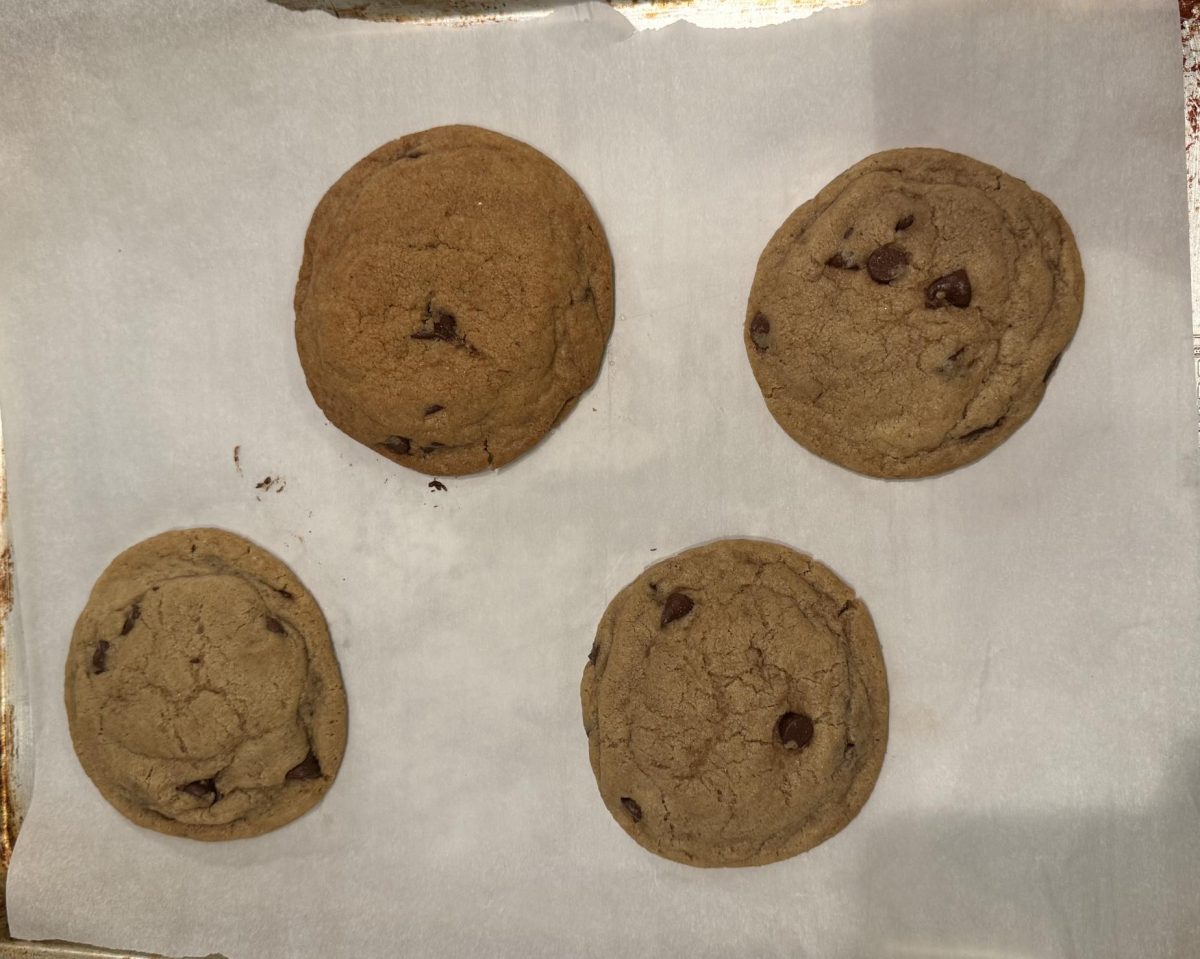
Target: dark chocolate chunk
887 263
760 331
676 607
134 614
795 730
100 657
309 768
953 289
849 233
445 327
842 261
632 808
275 626
904 223
398 444
202 789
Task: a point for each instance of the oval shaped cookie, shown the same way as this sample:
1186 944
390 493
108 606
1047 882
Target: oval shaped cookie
202 690
904 321
736 705
454 301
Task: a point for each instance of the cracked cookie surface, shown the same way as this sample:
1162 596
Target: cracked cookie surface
454 301
202 690
736 705
905 321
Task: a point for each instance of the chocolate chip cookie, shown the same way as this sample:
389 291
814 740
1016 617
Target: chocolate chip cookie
905 321
202 690
454 301
736 705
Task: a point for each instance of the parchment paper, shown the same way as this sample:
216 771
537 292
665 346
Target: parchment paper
1039 611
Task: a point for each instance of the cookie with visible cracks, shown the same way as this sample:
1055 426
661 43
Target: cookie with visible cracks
454 300
905 321
202 690
736 705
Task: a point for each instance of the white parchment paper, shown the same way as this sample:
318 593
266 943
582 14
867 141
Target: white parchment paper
1039 611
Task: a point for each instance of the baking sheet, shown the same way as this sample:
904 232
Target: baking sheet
1039 611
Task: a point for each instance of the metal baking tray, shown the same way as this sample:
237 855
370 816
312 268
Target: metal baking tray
17 767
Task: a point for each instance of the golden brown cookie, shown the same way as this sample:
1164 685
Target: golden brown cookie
904 322
202 690
454 301
736 705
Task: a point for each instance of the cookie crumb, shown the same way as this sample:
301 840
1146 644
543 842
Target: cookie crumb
437 486
237 459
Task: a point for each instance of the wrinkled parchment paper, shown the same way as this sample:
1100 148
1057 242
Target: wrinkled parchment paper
1039 611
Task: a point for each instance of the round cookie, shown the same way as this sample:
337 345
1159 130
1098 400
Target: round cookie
454 301
202 690
904 321
736 705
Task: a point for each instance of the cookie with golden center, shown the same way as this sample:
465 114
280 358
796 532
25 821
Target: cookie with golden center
454 300
202 690
736 705
905 321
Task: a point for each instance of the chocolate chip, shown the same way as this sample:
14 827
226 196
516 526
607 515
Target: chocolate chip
100 657
632 808
594 653
398 444
195 660
202 789
849 233
887 263
134 614
848 751
1050 370
308 769
433 408
842 261
795 730
953 289
676 607
275 626
904 223
760 331
445 327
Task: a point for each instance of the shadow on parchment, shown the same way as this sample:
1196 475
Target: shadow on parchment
1099 884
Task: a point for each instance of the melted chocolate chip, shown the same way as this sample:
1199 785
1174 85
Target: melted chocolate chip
676 607
953 289
309 768
445 327
134 614
594 653
887 263
632 808
275 626
100 657
795 730
1050 370
433 408
760 331
904 223
202 789
398 444
842 261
